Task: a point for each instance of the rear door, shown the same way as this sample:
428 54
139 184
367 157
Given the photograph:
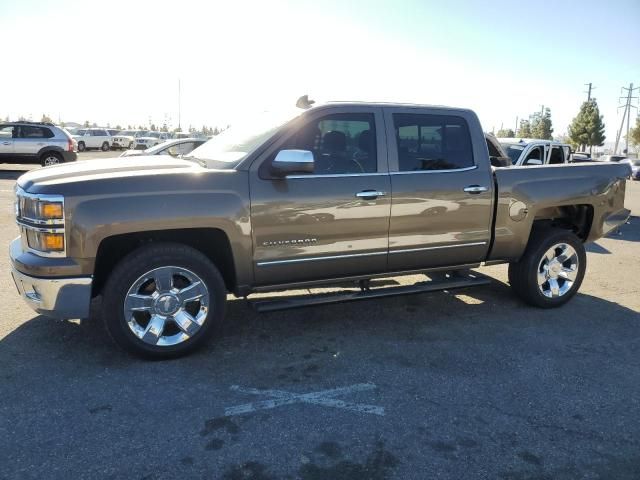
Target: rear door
31 140
321 225
7 133
442 188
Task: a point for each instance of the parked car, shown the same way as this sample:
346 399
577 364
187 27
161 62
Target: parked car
635 168
126 139
174 148
43 143
532 151
93 138
150 139
334 193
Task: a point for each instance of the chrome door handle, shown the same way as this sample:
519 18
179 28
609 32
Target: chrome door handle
475 189
370 194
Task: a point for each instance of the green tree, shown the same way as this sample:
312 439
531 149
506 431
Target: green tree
634 134
587 128
505 133
86 123
153 127
46 119
541 125
525 129
118 127
164 128
216 131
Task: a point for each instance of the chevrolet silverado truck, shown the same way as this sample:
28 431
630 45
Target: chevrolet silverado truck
329 194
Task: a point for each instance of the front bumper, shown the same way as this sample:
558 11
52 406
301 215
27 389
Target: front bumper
55 297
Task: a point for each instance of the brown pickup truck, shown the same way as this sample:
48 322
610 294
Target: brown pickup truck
342 192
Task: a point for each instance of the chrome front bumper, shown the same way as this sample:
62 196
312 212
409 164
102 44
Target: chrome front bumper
55 297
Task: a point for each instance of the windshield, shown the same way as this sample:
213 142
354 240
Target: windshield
513 150
236 142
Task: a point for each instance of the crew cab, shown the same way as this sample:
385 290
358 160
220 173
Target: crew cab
532 151
341 192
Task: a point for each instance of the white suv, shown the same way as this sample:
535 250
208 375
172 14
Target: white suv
93 138
150 139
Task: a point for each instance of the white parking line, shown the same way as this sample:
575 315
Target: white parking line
324 398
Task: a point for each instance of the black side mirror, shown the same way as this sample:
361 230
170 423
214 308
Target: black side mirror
500 161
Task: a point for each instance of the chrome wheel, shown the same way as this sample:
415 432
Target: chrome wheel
51 160
166 306
558 270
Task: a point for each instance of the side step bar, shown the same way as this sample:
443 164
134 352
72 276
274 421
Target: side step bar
450 282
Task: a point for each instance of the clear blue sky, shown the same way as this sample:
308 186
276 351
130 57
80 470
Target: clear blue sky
503 59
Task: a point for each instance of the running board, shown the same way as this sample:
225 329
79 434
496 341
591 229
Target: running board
454 281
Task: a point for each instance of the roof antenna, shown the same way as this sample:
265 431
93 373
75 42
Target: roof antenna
304 102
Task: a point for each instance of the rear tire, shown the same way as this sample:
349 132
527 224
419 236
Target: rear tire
105 147
81 147
148 310
551 270
51 158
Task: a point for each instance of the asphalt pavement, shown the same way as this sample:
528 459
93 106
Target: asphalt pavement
466 384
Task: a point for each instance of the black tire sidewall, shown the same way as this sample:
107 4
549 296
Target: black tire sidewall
141 261
524 278
81 147
105 149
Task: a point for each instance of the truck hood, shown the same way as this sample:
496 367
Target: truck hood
55 178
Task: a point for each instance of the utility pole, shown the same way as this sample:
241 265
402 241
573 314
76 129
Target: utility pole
589 91
626 115
516 129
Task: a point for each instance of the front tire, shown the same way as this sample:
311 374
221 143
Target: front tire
551 270
105 147
163 301
81 147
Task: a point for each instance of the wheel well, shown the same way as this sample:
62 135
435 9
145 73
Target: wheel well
212 242
577 218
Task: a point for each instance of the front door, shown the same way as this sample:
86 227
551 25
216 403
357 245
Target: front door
442 188
7 141
322 225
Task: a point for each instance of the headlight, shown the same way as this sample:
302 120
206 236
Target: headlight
41 222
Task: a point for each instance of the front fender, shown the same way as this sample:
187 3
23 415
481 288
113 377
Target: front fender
95 218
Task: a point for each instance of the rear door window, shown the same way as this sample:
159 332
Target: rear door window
432 142
29 131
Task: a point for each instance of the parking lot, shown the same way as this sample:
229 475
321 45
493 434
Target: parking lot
426 386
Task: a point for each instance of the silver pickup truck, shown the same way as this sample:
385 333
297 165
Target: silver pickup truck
342 192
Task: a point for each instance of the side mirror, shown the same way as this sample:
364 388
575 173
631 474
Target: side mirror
533 161
500 161
288 162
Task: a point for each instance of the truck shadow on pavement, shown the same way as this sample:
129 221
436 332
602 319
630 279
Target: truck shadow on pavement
399 317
